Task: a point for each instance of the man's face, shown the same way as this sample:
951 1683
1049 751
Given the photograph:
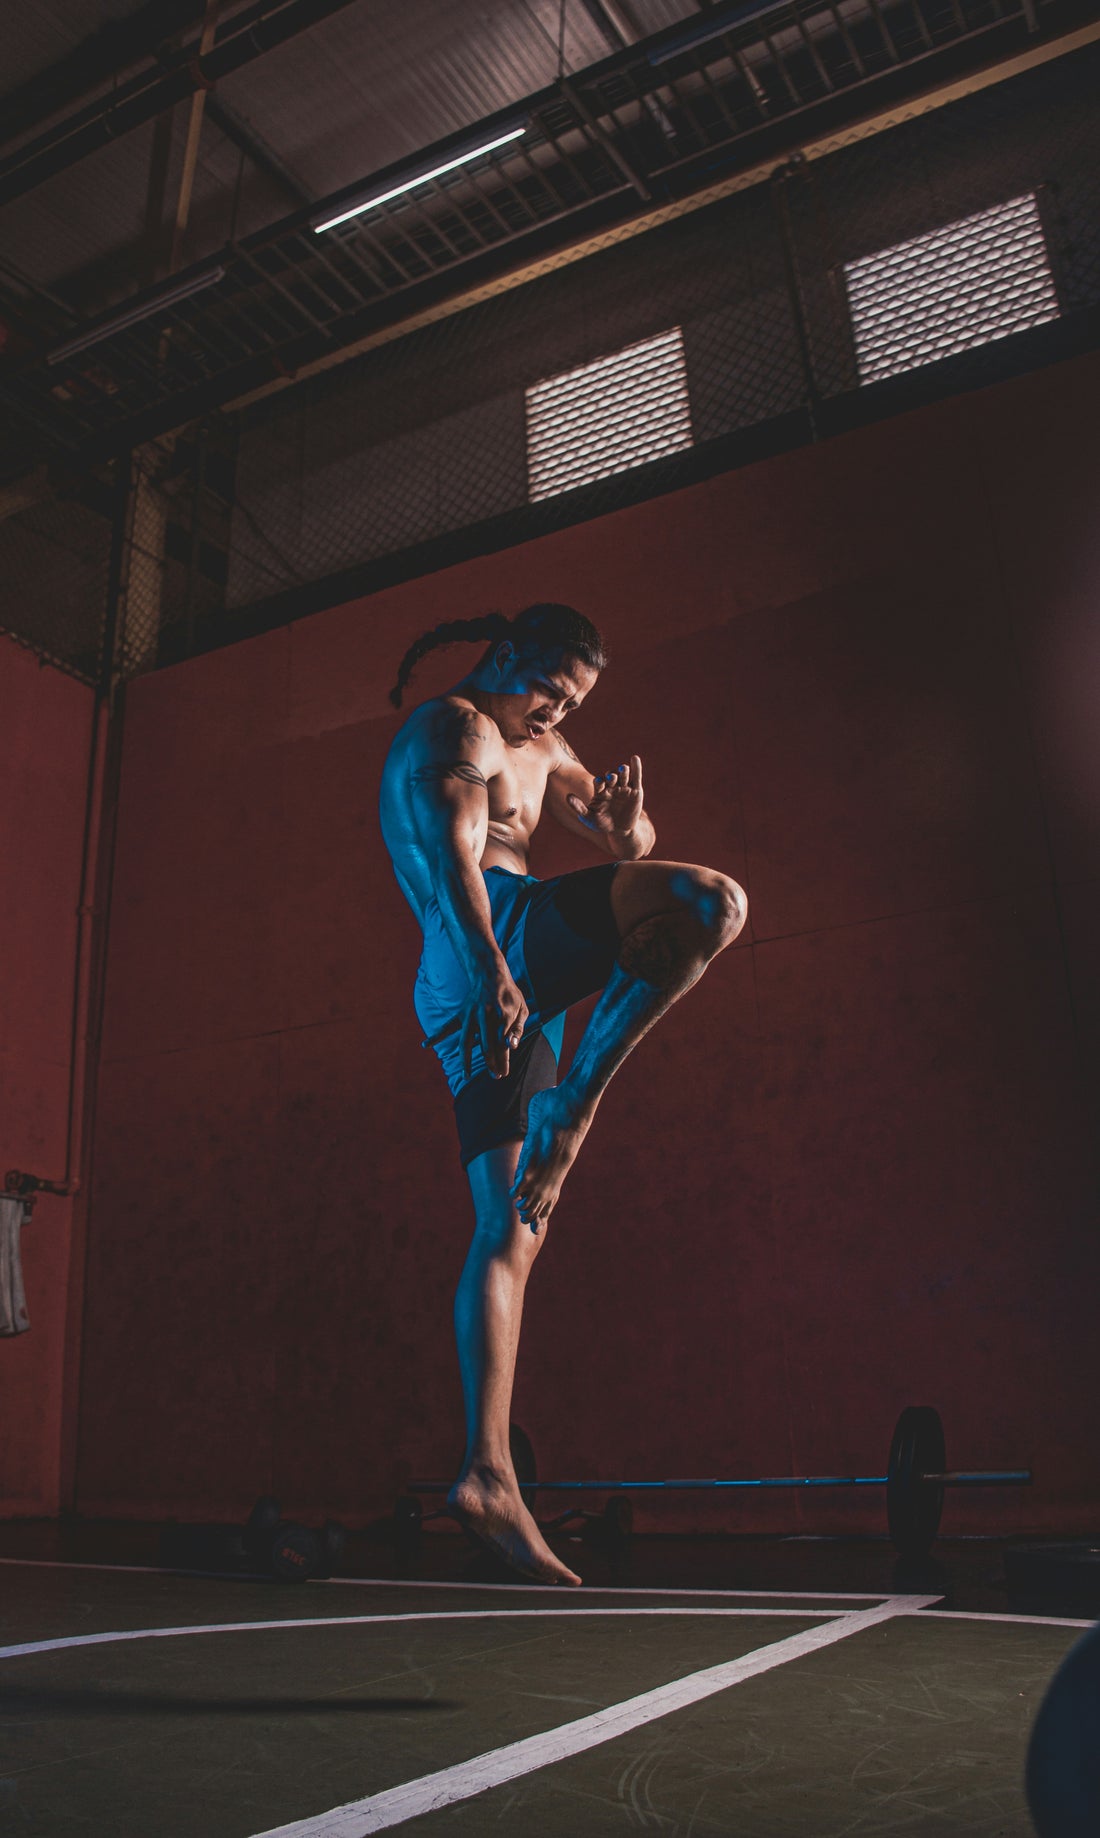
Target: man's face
537 693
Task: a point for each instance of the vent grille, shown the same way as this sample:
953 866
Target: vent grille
952 289
608 416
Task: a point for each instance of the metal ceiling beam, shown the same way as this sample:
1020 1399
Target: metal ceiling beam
609 28
191 148
252 144
619 31
263 28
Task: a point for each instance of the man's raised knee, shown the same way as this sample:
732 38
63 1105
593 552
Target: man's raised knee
722 905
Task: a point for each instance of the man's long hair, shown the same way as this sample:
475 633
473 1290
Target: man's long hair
535 631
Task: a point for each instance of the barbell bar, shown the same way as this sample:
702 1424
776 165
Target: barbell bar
915 1480
1008 1477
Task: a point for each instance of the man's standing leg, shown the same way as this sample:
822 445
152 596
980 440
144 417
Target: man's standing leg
488 1312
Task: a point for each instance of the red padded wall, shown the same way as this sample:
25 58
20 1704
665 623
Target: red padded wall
45 740
853 1168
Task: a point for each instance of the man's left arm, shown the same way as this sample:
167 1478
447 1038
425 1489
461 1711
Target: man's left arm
608 809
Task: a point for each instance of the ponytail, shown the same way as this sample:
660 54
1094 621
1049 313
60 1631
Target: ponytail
451 632
537 629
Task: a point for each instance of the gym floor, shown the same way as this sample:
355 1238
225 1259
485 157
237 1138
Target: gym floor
783 1688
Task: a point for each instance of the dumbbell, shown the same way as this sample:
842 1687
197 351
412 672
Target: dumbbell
287 1551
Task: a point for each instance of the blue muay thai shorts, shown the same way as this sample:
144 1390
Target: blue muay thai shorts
560 942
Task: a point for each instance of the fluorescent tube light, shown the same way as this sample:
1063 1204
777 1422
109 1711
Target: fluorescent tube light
356 210
133 315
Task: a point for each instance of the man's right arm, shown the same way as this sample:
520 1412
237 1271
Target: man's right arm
455 754
451 757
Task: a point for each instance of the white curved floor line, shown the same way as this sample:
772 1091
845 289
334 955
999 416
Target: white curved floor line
379 1811
65 1641
413 1582
64 1563
770 1595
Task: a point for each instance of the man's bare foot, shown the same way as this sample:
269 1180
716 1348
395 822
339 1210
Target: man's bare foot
491 1507
555 1130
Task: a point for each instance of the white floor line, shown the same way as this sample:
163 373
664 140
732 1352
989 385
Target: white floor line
379 1811
62 1563
398 1582
965 1614
441 1614
403 1582
771 1595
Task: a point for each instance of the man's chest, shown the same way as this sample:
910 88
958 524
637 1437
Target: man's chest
516 793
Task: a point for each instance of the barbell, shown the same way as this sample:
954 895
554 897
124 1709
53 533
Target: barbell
915 1480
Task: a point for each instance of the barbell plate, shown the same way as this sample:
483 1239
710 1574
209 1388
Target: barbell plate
914 1497
333 1540
295 1553
408 1516
264 1517
618 1521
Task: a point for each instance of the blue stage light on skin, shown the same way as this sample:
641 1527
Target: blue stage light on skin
1063 1758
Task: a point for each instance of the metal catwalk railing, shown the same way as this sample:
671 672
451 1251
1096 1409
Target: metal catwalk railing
648 125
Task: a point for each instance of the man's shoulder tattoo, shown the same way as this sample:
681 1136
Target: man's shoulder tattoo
437 770
565 747
453 727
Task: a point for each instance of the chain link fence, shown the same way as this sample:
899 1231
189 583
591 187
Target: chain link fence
54 569
428 435
169 525
175 564
401 459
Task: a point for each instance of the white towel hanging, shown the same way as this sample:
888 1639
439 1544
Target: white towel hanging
14 1214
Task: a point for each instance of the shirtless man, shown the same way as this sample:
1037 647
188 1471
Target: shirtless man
505 954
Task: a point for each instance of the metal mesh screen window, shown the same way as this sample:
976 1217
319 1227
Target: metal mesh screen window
608 416
950 290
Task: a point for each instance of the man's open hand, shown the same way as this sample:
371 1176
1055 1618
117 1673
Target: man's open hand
616 803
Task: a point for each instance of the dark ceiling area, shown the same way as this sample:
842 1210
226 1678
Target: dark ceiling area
165 169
